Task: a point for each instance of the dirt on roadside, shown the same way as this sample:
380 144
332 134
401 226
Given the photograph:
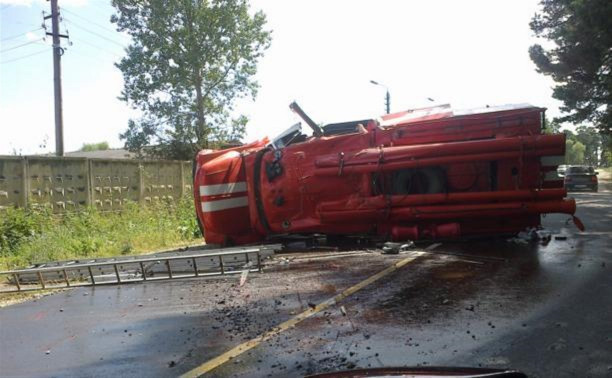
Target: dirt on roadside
8 299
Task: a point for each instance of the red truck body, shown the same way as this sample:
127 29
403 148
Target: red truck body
430 173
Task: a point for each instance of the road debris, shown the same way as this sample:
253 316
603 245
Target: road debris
532 235
391 248
433 246
525 237
343 310
243 277
544 236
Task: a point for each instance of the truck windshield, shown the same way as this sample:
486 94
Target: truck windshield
291 135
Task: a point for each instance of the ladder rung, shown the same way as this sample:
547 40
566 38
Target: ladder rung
130 269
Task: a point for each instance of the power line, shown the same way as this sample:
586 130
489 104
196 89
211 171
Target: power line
66 31
85 55
23 57
97 47
19 35
91 22
23 44
94 33
100 6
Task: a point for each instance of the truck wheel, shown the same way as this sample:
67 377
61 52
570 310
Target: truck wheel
419 181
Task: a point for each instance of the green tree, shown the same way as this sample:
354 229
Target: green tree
95 146
591 140
187 64
551 126
581 58
574 150
606 150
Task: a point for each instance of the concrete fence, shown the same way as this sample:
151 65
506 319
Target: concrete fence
67 183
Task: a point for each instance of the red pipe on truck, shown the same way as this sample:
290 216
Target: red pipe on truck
520 144
444 198
485 210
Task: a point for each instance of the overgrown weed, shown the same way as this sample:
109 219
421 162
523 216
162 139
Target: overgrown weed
36 235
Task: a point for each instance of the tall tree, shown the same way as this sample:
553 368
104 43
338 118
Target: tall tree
606 150
574 150
551 126
591 140
188 62
580 59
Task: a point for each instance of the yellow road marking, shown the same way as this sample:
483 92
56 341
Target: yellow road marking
238 350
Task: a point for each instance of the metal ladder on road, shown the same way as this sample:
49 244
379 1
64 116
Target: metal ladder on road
130 269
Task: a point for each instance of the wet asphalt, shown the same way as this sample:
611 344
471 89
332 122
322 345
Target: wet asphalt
543 308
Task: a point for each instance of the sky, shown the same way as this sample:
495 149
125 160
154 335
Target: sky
323 55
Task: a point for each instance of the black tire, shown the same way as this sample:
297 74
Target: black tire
419 181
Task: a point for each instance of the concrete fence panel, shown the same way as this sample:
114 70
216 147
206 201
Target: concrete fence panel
57 183
67 184
114 183
162 181
12 184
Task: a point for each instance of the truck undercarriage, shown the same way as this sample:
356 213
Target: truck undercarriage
430 173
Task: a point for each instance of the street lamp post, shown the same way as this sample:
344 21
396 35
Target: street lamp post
387 95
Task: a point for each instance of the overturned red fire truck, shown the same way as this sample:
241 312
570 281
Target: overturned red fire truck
429 173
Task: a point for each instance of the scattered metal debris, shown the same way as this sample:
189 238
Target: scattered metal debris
391 248
532 235
525 237
243 277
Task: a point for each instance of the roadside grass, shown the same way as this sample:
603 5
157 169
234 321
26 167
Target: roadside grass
29 236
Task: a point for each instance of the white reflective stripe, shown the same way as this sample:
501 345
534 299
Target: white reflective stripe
223 204
232 187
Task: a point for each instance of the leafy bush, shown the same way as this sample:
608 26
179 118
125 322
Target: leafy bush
28 236
17 225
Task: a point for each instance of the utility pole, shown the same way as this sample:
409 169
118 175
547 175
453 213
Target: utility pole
58 51
388 101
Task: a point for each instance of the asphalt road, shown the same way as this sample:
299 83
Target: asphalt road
542 309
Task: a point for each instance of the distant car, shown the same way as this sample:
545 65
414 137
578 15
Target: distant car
580 177
561 170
